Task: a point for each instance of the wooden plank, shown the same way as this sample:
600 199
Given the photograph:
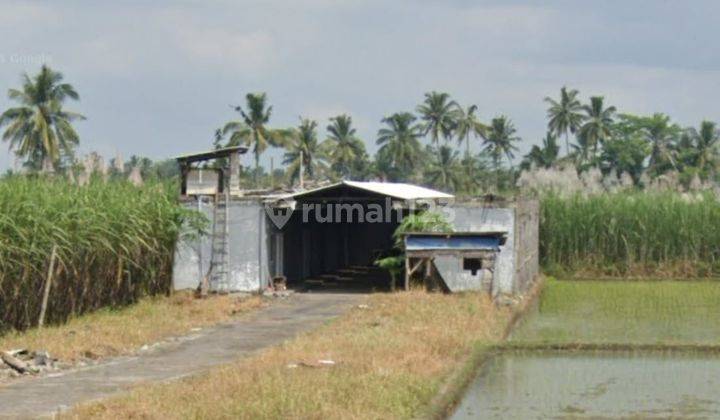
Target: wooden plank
48 284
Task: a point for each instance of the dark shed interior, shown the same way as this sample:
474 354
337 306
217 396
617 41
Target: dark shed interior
333 237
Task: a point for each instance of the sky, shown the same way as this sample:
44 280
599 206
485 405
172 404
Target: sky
157 78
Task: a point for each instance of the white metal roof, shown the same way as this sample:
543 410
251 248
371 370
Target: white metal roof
398 190
391 189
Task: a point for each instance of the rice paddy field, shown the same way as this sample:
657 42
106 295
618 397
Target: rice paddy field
607 349
624 312
639 234
114 243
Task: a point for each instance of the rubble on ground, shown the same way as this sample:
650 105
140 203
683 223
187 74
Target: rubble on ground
14 363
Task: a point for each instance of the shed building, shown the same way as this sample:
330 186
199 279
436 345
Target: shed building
330 236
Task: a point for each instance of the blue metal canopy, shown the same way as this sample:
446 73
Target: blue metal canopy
419 242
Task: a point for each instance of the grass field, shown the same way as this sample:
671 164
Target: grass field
625 312
111 332
392 359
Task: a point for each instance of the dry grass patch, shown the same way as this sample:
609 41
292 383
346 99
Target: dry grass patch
111 332
391 359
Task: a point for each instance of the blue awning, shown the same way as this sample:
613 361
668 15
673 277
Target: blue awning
464 242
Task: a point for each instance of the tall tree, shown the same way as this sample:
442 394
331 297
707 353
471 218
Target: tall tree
659 133
542 157
597 125
468 125
302 146
399 143
439 114
343 148
565 115
444 171
255 116
706 141
39 129
500 140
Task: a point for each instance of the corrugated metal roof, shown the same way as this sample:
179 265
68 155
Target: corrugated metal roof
398 190
464 242
390 189
211 154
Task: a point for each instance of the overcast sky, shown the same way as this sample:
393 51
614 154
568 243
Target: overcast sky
156 78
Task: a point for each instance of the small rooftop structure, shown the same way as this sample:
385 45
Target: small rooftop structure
210 181
211 154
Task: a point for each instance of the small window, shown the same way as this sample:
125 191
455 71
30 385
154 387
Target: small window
472 264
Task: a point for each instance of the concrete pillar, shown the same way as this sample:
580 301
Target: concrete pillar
234 181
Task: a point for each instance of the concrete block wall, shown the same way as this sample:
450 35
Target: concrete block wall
247 259
527 253
476 218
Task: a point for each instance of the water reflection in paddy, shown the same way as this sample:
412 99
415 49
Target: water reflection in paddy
595 385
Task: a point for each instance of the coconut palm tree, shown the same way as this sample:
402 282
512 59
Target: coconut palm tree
565 116
468 125
255 116
659 132
342 146
499 140
39 129
597 123
542 157
439 114
399 143
706 142
444 171
303 146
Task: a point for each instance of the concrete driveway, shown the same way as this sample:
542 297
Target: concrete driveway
282 320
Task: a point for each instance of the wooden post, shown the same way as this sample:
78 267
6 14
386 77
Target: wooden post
407 273
48 284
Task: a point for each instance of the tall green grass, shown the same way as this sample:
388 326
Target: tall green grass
115 243
631 233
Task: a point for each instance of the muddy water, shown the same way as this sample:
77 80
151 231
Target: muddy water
594 385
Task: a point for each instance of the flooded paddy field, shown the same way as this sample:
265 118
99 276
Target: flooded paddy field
664 363
528 385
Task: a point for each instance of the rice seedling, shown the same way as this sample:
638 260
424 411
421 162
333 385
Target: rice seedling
662 313
114 244
663 234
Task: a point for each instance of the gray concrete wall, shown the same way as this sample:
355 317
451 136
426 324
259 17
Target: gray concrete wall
248 246
450 268
192 259
527 225
247 259
474 218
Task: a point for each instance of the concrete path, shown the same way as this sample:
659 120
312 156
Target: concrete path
282 320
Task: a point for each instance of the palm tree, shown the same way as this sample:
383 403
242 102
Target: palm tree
545 156
598 123
399 143
343 147
439 114
255 117
706 141
499 140
564 116
468 125
303 146
444 171
661 135
40 130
